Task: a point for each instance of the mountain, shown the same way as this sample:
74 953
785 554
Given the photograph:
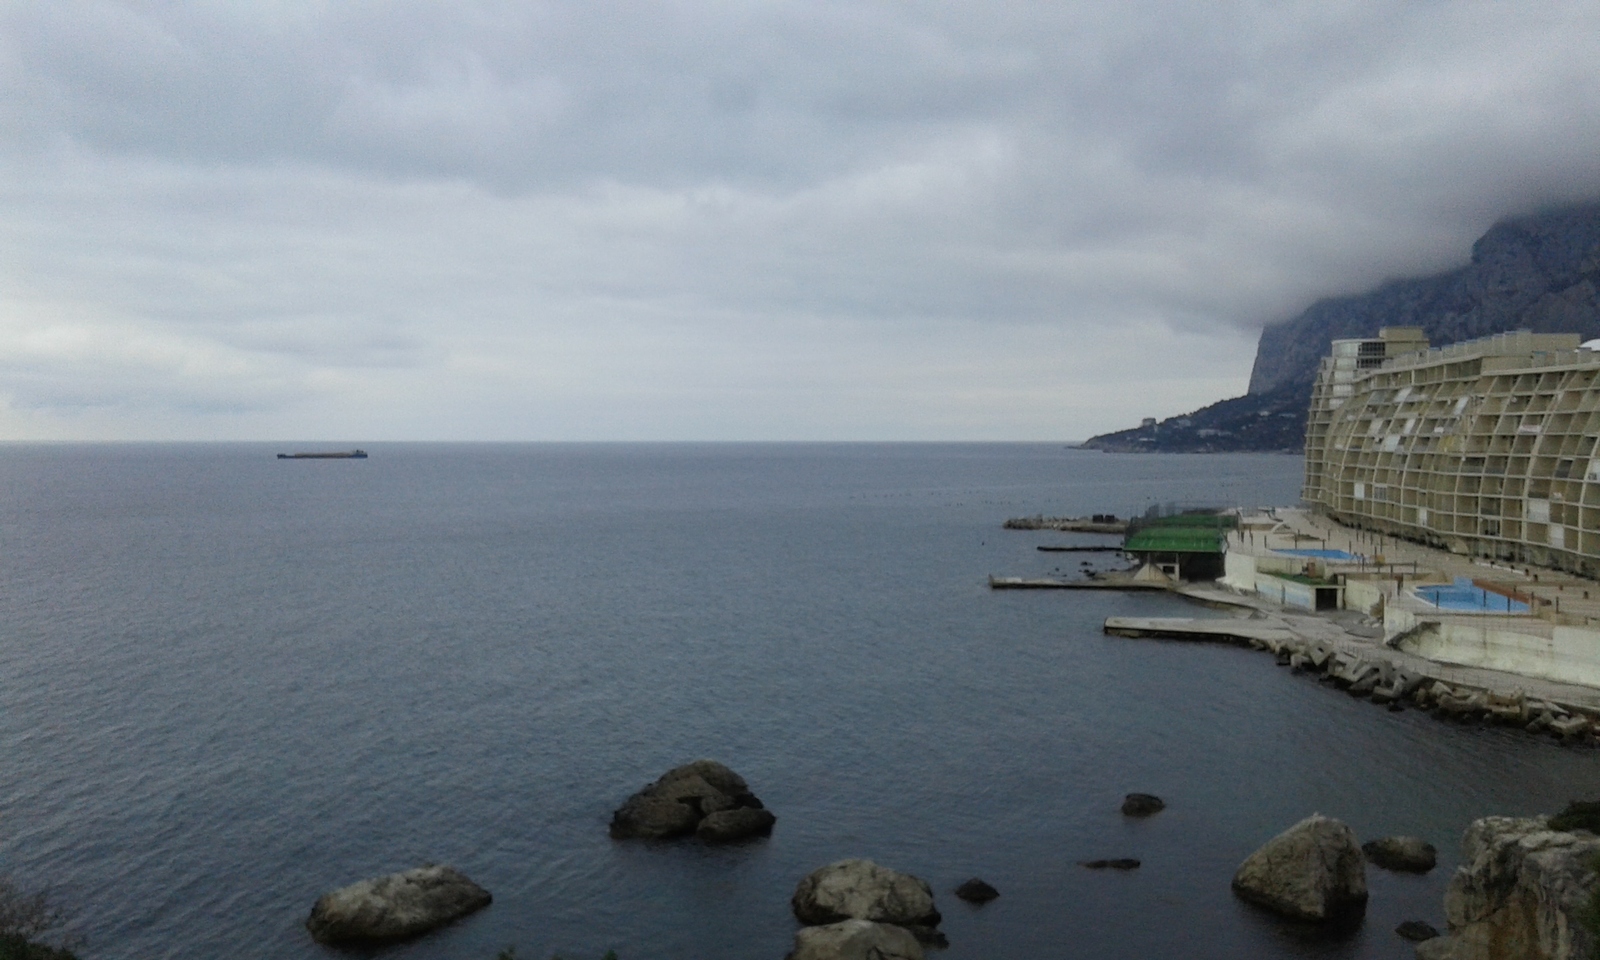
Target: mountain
1538 272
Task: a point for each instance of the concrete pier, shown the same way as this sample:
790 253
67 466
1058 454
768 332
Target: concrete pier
1025 583
1188 628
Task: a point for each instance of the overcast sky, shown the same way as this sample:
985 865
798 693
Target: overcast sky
704 220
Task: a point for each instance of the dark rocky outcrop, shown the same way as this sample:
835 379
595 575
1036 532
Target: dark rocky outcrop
395 907
1406 854
855 940
1523 892
977 891
1142 805
863 890
1312 871
703 798
1539 272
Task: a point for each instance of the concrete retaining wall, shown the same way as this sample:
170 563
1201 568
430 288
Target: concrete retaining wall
1239 572
1363 595
1570 655
1287 592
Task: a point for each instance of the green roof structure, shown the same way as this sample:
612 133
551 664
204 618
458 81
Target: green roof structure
1175 540
1181 533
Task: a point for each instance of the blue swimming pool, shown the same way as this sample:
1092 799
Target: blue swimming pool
1320 554
1462 596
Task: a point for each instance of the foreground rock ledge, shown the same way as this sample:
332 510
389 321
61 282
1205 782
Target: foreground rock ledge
1520 894
703 798
1312 871
395 907
862 890
855 940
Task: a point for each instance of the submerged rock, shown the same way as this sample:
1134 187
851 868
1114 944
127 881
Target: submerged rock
1311 871
684 798
1119 863
1407 854
1142 805
855 940
395 907
1522 893
862 890
1416 931
976 891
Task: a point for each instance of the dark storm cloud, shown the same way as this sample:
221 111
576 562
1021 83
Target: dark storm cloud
512 207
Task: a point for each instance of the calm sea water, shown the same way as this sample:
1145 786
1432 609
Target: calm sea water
232 683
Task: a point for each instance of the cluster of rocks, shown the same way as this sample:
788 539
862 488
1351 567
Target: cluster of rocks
1528 889
858 910
1385 684
704 798
1514 709
1314 872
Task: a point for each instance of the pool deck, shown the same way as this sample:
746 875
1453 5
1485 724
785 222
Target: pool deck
1558 592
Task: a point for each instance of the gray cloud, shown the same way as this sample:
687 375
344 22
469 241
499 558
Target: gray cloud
706 219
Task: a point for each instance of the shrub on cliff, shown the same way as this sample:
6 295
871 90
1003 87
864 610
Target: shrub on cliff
23 918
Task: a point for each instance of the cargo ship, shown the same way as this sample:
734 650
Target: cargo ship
334 455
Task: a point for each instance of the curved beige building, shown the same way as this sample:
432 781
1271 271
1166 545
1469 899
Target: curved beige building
1484 448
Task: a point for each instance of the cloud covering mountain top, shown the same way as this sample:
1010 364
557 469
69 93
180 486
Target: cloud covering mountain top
718 220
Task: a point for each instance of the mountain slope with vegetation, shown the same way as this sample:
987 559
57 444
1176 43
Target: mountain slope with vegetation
1539 273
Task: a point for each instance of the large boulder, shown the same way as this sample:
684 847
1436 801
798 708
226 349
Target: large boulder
684 798
862 890
395 907
855 940
1406 854
1312 871
1521 893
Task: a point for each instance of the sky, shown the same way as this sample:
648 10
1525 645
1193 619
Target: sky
717 220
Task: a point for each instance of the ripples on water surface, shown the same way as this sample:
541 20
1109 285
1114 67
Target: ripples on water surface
233 683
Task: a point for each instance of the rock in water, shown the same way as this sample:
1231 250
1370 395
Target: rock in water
862 890
1142 805
1408 854
1416 931
395 907
684 798
976 891
735 824
1522 892
1311 871
855 940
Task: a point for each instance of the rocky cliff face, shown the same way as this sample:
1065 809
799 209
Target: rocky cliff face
1540 273
1522 893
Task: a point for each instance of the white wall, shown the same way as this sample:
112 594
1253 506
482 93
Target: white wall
1571 654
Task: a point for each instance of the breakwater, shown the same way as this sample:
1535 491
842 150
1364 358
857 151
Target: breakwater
1392 679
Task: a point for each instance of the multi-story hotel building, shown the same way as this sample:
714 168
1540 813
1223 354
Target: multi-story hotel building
1484 448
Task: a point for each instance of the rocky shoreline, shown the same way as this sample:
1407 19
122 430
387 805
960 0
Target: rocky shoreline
1385 684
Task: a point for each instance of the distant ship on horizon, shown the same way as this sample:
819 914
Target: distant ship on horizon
333 455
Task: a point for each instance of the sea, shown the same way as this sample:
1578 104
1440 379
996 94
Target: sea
230 683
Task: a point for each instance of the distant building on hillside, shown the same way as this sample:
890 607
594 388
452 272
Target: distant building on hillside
1484 448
